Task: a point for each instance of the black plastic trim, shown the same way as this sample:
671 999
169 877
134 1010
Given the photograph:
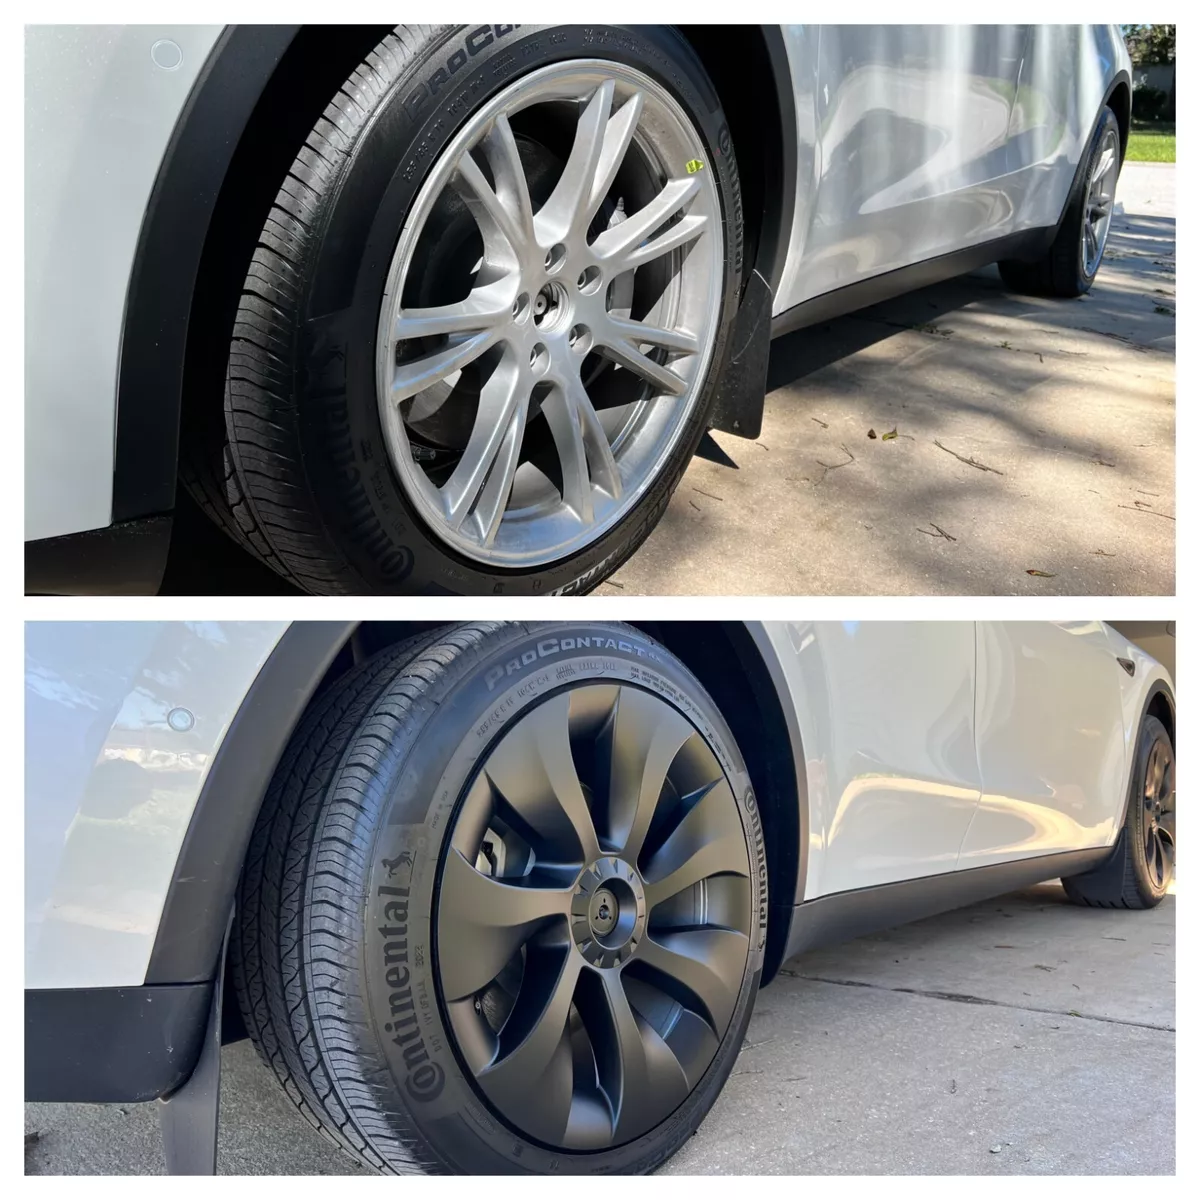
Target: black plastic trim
776 231
770 660
162 281
126 559
196 912
1029 243
112 1045
845 915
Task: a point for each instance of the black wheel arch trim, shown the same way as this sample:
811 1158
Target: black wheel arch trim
187 946
167 260
112 1045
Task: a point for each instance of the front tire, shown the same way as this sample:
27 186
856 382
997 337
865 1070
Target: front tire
504 907
1143 862
479 339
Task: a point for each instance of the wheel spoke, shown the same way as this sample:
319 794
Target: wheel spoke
620 350
584 453
646 736
708 841
638 332
503 238
512 186
532 1072
565 208
637 1070
533 770
1103 163
485 921
618 133
486 308
491 453
413 377
699 967
622 243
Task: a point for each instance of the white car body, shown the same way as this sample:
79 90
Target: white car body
923 749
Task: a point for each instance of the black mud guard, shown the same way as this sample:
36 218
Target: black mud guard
741 390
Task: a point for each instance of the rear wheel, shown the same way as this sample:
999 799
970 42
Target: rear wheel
479 338
1069 267
1143 862
503 908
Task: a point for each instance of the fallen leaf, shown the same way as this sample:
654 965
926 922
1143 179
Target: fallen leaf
1039 574
887 437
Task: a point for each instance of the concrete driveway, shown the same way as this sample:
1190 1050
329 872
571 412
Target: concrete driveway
1019 1036
1031 435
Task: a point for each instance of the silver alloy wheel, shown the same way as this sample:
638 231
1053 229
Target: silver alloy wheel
1097 209
529 411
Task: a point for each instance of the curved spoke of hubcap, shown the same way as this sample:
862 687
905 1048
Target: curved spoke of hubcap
708 841
487 921
532 1070
645 737
703 963
554 317
640 1076
533 771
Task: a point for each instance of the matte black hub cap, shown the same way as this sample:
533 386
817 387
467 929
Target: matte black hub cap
1158 815
593 918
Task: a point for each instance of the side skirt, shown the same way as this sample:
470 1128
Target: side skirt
828 920
1028 244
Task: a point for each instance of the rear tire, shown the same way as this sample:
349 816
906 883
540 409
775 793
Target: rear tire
365 972
1063 270
1142 865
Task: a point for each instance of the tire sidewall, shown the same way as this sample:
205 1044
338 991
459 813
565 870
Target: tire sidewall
349 469
419 796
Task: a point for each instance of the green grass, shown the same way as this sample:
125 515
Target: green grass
1151 142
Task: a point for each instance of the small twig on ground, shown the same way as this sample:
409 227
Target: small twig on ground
695 506
823 424
1149 511
971 462
613 583
1104 553
940 533
834 466
708 494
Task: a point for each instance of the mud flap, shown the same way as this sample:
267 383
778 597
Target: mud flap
188 1116
741 390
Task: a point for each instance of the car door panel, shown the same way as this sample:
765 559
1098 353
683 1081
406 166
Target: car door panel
912 126
886 717
1050 732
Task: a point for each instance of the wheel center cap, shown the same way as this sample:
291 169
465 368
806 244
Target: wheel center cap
551 307
603 912
608 912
